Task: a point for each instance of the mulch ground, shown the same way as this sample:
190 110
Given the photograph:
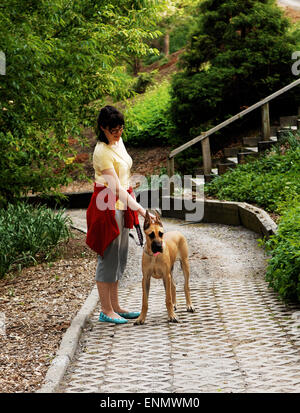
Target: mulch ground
38 305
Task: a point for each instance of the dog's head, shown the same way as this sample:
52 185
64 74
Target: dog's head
154 233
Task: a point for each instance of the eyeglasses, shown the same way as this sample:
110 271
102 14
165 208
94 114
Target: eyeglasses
116 130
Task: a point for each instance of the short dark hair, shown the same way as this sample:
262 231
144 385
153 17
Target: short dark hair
109 117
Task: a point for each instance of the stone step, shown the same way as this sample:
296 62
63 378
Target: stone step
292 129
283 133
196 182
244 157
231 151
251 140
254 145
273 129
264 145
232 159
225 166
288 121
209 178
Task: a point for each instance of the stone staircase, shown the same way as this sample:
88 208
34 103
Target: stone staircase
251 149
254 146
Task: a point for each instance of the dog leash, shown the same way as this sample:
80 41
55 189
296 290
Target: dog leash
139 234
141 241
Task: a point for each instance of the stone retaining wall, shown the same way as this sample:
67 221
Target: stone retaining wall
215 211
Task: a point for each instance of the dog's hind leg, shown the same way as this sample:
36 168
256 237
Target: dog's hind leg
186 271
173 289
184 261
169 298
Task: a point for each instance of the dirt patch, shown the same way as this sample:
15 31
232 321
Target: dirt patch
165 70
293 15
39 304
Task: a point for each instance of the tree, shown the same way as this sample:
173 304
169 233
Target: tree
175 14
240 52
60 56
175 18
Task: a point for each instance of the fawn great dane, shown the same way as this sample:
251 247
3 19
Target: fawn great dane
160 252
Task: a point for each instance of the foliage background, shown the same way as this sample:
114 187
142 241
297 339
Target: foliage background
239 54
61 55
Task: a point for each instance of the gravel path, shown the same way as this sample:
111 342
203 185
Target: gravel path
215 251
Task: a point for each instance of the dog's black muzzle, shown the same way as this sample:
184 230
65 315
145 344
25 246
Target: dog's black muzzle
156 246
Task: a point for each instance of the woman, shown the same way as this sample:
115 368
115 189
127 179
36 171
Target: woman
112 211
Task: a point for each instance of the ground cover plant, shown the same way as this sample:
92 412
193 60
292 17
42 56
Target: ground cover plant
30 234
272 182
283 271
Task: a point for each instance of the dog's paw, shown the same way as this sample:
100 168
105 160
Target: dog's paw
173 319
139 322
190 309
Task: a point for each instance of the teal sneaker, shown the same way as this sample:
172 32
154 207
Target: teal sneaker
130 315
105 319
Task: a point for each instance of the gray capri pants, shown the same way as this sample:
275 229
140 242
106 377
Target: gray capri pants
111 266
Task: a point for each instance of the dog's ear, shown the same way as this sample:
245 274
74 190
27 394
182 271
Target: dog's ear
158 220
147 221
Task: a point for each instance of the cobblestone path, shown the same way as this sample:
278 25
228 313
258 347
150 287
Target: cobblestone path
240 339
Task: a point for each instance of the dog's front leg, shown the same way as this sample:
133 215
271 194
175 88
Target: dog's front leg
146 289
169 301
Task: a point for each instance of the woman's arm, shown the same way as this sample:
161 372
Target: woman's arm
113 182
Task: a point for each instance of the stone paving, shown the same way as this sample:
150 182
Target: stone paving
241 338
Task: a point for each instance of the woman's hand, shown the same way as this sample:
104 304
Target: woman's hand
142 212
152 217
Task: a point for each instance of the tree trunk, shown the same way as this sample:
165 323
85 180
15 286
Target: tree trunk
136 66
166 49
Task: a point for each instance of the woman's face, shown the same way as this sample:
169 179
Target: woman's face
113 134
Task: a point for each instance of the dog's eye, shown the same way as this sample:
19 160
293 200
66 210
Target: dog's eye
152 235
160 234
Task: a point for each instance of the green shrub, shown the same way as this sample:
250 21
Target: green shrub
30 234
25 166
273 183
143 81
123 84
147 122
283 273
189 161
268 181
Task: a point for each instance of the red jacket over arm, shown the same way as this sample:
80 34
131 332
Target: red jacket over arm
102 227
